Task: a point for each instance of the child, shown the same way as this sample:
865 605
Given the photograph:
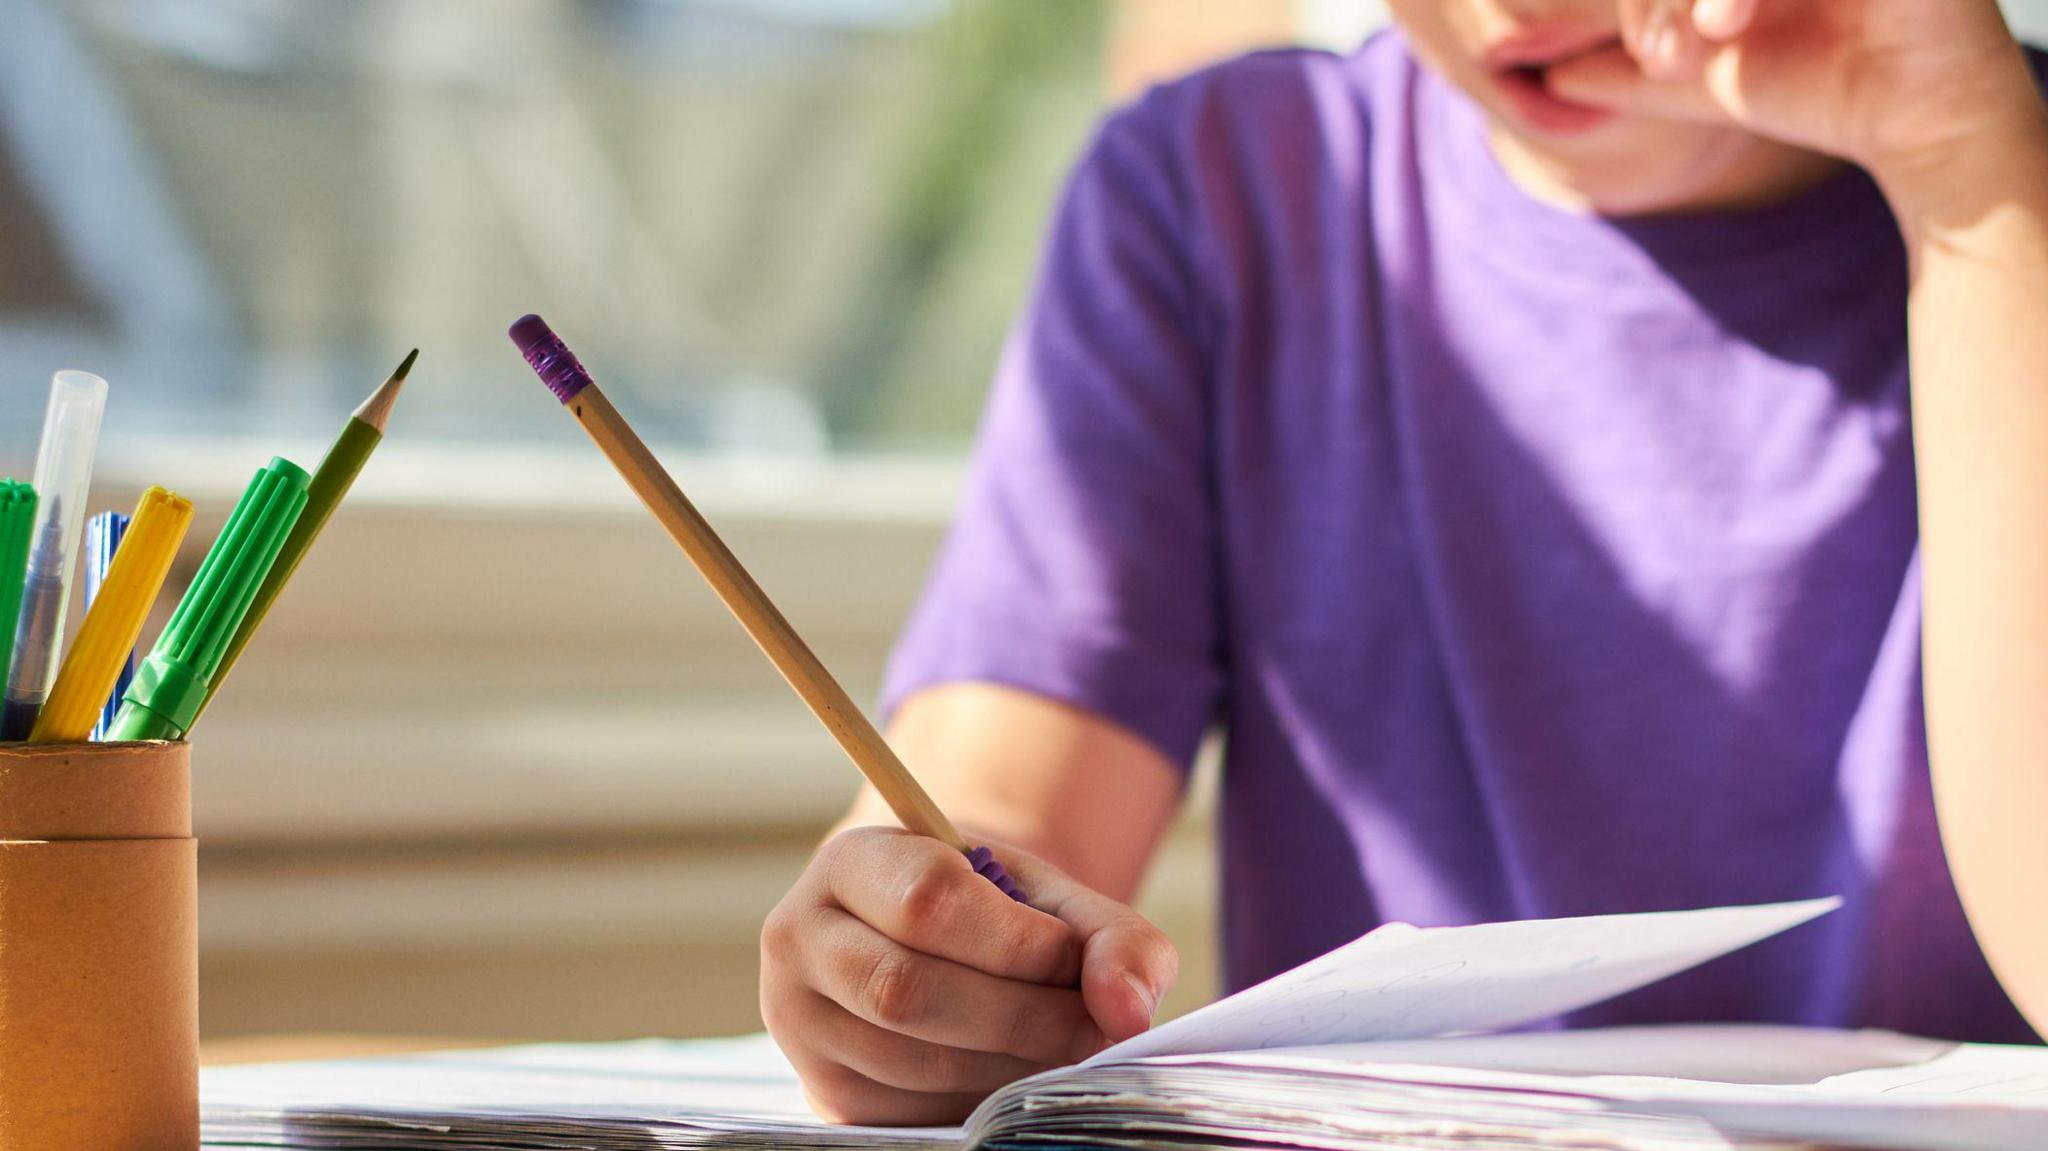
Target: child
1503 433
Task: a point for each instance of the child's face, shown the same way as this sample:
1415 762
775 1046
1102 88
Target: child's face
1499 52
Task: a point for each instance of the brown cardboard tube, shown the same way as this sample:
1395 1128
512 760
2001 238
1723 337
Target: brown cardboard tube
99 1002
95 791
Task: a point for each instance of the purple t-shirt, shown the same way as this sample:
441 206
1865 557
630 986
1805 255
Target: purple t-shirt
1532 564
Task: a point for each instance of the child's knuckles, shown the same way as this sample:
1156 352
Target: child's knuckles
894 991
1132 945
857 847
1164 955
932 902
781 936
1043 950
1133 939
835 851
1152 946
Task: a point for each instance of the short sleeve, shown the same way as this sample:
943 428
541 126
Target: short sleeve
1081 564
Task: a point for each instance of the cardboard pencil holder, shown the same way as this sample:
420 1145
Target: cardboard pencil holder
99 953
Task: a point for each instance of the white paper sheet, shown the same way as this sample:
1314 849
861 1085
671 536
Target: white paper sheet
1753 1087
1745 1053
731 1093
1403 982
1849 1089
1976 1097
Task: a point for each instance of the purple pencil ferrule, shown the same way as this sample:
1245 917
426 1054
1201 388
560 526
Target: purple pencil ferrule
985 865
550 358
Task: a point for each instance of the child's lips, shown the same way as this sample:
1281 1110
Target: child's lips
1520 65
1541 49
1527 88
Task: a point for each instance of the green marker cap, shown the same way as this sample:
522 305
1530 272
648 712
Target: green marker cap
17 528
171 685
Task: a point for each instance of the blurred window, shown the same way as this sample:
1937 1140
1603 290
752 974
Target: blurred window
772 225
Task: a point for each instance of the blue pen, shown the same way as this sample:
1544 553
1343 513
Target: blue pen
103 534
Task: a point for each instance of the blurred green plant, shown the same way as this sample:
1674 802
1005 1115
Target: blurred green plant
993 69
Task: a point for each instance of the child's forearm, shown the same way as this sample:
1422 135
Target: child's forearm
1976 222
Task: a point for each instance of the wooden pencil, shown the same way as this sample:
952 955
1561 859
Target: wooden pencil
759 616
874 757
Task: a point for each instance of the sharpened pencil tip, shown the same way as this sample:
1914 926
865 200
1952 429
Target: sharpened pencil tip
376 411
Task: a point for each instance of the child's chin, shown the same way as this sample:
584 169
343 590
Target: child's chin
1629 166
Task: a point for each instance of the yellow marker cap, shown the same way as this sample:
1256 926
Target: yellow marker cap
114 623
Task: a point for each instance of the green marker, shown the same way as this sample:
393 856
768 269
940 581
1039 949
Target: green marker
171 685
17 527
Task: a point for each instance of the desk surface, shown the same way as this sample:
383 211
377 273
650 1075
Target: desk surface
328 1045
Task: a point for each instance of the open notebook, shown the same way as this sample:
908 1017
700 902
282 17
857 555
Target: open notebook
1345 1052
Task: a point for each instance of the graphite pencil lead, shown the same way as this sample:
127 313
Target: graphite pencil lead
376 411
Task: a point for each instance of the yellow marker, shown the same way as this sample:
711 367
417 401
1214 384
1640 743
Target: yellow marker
113 625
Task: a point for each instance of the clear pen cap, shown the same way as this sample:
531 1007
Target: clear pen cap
71 434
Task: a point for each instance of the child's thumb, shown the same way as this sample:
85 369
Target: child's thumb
1127 965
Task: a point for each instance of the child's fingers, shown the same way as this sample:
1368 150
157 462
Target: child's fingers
899 1061
1127 965
940 1001
1724 19
1659 35
925 896
839 1094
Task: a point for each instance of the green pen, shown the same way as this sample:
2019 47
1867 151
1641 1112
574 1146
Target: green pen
17 527
171 685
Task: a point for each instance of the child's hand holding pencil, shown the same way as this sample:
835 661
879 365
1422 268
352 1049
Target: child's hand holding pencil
905 988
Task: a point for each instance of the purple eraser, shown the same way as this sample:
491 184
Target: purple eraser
550 358
985 865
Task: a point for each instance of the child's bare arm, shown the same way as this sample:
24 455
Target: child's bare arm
1977 223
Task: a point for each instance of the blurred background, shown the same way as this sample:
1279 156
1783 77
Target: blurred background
500 765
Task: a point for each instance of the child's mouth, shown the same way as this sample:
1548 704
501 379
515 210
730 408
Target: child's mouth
1526 84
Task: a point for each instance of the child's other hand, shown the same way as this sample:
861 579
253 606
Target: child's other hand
1888 84
904 987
